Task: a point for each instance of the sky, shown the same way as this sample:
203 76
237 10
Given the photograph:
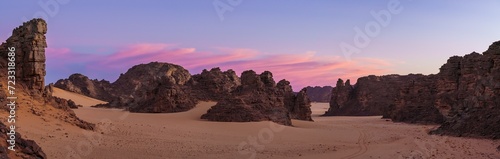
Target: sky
309 43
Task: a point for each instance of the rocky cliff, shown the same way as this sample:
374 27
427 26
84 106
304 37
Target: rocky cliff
259 98
369 96
34 100
319 94
463 96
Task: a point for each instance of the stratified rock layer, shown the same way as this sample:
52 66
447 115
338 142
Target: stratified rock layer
29 43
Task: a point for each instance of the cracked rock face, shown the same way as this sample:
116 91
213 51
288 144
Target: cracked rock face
29 42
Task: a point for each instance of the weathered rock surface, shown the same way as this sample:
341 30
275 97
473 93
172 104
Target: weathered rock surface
29 43
152 88
319 94
471 87
369 96
214 85
24 148
259 98
464 96
81 84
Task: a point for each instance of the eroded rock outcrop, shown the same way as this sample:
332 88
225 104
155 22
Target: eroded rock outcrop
259 98
29 44
33 99
464 96
471 90
81 84
369 96
319 94
152 88
23 148
214 85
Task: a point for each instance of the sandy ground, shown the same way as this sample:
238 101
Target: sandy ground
184 135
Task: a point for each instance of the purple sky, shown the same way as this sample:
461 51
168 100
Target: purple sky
302 41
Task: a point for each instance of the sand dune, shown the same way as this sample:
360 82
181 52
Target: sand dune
184 135
77 98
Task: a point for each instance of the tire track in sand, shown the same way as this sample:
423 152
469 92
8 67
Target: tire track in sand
362 143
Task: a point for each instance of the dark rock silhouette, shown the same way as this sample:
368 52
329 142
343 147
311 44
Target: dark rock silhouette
24 148
469 91
214 85
369 96
259 98
319 94
463 96
152 88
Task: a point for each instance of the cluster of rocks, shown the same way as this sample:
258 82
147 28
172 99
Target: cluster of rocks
166 88
464 97
23 148
259 98
319 94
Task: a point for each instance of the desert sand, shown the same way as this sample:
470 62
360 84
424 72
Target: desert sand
184 135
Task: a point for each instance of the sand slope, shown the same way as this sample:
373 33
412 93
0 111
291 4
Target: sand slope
77 98
184 135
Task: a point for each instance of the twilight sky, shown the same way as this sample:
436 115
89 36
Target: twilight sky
306 42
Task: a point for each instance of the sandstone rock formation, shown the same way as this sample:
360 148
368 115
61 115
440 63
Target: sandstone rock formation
29 43
81 84
463 96
152 88
24 148
34 101
259 98
319 94
470 88
214 84
369 96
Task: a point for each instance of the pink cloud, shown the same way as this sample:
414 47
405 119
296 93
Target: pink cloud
301 69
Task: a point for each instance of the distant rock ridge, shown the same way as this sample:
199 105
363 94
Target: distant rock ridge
319 94
464 96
